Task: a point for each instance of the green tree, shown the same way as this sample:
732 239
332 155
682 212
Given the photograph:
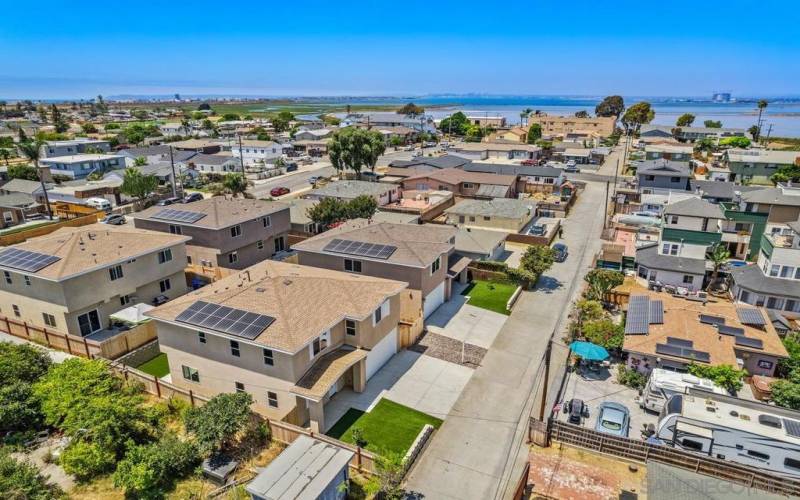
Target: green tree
534 133
5 154
150 471
19 408
22 363
387 484
582 114
32 150
235 184
328 212
204 106
705 144
585 311
281 122
718 255
604 332
735 142
411 109
86 460
537 259
88 128
140 161
685 120
636 116
58 120
261 133
725 376
361 207
26 172
137 184
216 424
230 117
22 481
601 281
456 124
754 132
786 392
612 105
712 124
354 148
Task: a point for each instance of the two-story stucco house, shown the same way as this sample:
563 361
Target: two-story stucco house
463 183
72 280
418 255
290 335
225 232
383 193
659 175
80 165
674 152
80 145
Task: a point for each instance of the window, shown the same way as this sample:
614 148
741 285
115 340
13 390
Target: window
791 305
266 221
27 280
188 259
235 348
164 285
269 357
239 386
436 265
468 185
791 463
279 244
165 256
15 308
757 454
7 276
649 177
673 219
89 322
115 272
49 319
787 272
472 218
260 244
486 217
353 266
349 327
272 399
774 270
236 231
201 337
674 179
381 312
175 229
190 374
233 257
692 444
124 300
688 279
774 303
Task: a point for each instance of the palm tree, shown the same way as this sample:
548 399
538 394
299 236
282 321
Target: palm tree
718 255
235 184
762 105
32 150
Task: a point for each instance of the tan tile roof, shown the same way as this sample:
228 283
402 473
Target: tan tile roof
416 245
682 320
305 301
220 211
316 383
457 175
82 249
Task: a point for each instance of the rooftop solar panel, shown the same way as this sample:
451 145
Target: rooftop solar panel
750 316
682 352
360 248
730 330
711 320
26 260
792 427
749 342
679 342
656 312
225 319
185 216
637 321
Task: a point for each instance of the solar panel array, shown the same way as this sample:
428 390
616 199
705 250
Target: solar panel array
679 342
178 215
225 319
637 321
749 342
682 352
792 427
730 330
360 248
750 316
656 312
26 260
711 320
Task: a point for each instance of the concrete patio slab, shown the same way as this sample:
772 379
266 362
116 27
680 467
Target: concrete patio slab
459 320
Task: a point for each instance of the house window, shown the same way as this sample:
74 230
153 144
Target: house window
649 177
353 266
164 285
7 276
260 244
89 322
165 256
236 231
269 357
272 399
349 327
472 219
381 312
124 300
774 270
201 337
280 246
233 257
674 179
266 221
27 280
436 265
468 185
190 374
486 217
239 386
688 280
235 348
673 219
791 305
15 308
115 272
175 229
49 319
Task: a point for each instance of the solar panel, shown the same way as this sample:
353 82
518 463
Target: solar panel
730 330
711 320
178 215
656 312
225 319
792 427
26 260
637 321
750 316
749 342
360 248
682 352
680 342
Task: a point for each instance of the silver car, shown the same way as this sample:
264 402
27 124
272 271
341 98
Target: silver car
613 418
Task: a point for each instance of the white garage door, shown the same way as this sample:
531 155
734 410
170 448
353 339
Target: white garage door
381 353
433 300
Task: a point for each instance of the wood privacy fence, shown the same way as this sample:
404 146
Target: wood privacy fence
19 237
640 451
283 432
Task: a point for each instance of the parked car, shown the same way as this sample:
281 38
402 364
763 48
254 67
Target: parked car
576 410
291 167
562 251
278 191
369 176
572 169
613 418
416 154
528 163
537 230
114 220
169 201
314 179
429 144
193 197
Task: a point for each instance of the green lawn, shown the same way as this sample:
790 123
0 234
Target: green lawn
389 426
491 295
157 367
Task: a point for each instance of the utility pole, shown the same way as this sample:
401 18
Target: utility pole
241 156
174 178
605 209
769 131
546 378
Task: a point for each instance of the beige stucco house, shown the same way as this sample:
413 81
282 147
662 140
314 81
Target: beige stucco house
72 280
500 214
290 335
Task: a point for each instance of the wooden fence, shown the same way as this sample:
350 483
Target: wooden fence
640 451
19 237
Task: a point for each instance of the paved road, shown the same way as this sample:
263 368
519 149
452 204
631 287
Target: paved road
480 449
292 180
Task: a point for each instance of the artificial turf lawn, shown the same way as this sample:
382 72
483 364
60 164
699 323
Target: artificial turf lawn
388 427
491 295
157 367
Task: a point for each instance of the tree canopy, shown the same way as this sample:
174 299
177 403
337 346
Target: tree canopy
137 184
637 115
281 121
456 124
612 105
22 481
411 109
685 120
235 184
600 282
724 376
735 142
149 471
216 424
534 133
712 124
537 259
26 172
354 148
330 211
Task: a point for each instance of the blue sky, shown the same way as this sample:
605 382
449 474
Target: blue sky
61 49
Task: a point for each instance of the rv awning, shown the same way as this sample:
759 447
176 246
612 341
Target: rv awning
694 430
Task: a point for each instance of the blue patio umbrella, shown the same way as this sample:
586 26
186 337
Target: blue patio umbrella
587 350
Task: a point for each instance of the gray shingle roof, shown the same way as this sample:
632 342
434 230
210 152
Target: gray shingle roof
22 186
772 196
753 279
498 168
204 159
446 161
498 207
694 207
650 258
352 189
478 241
666 168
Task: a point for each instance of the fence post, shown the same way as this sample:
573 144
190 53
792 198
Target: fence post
86 347
127 347
8 325
69 347
27 332
125 373
46 337
191 397
602 440
158 387
358 458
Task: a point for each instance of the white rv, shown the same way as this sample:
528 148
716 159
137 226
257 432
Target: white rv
728 428
663 384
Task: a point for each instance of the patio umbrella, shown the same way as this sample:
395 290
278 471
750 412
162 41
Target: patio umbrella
587 350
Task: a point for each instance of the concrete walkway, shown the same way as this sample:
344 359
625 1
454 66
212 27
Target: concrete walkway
482 439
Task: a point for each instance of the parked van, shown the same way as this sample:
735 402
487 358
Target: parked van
99 204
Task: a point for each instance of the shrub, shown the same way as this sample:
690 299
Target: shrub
149 471
601 281
19 409
604 332
631 378
537 259
86 460
22 481
724 376
786 393
216 424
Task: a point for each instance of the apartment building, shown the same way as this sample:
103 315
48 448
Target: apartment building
757 165
563 125
463 183
290 335
80 145
80 165
73 279
225 232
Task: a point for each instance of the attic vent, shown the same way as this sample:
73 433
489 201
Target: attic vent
287 282
260 290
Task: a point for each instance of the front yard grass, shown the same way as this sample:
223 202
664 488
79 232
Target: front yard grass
389 427
157 367
491 295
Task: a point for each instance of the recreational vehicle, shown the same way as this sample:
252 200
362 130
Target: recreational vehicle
663 384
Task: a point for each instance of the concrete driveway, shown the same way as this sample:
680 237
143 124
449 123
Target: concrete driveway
459 320
424 383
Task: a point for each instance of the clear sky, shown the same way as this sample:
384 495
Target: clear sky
74 49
